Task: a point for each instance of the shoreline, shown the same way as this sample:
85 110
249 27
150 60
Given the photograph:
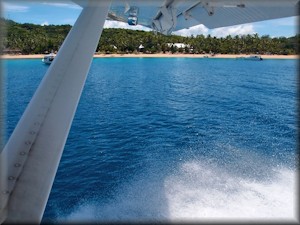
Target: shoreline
159 55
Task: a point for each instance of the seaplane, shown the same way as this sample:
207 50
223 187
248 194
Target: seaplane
30 158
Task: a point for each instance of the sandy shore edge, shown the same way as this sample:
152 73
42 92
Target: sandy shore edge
40 56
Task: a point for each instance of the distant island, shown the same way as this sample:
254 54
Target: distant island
26 39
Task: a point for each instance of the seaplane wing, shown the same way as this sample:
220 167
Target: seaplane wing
171 15
30 158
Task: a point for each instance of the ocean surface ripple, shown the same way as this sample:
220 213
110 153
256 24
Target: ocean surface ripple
173 139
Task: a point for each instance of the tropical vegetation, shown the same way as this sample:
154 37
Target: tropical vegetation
36 39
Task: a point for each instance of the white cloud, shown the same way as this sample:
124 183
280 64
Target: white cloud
45 23
218 32
9 7
195 30
117 24
64 5
233 30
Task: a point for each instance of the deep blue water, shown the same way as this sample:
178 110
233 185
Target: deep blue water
173 138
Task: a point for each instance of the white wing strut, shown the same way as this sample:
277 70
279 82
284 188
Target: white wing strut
33 151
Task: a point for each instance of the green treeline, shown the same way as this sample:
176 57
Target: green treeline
36 39
31 38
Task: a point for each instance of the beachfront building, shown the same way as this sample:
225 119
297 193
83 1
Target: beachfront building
141 48
178 45
181 47
12 51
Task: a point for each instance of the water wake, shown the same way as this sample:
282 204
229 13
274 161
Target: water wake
197 191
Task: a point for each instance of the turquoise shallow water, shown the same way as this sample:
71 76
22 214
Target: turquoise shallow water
170 139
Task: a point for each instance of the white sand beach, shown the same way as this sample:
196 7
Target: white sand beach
159 55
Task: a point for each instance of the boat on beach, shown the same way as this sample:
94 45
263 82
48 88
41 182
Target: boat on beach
48 58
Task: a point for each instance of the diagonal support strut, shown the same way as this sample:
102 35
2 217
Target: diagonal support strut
30 159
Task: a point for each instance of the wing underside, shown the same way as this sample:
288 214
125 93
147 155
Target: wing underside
172 15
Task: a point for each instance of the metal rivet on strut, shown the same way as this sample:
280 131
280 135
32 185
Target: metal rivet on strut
17 165
28 142
11 177
22 153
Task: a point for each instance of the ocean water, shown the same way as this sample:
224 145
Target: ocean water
174 139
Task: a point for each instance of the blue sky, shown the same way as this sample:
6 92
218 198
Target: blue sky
63 13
